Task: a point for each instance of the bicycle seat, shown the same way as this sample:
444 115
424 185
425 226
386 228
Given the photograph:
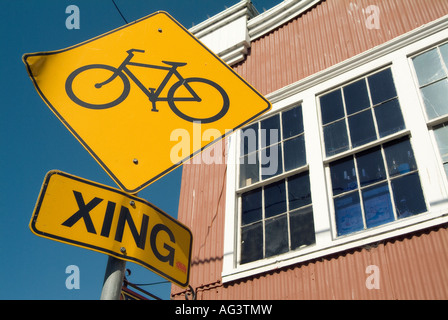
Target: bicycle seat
175 64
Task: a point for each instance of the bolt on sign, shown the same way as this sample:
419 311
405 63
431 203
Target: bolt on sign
123 93
104 219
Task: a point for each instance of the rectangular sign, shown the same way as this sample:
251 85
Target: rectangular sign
131 94
83 213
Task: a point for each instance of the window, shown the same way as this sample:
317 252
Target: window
278 141
276 214
369 171
441 134
276 218
375 187
431 68
360 112
380 183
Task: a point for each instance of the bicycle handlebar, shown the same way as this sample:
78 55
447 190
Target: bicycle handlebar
135 50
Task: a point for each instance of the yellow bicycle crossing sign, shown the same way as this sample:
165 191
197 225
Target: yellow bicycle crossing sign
124 93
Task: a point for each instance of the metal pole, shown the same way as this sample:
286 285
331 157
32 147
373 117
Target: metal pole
113 279
114 276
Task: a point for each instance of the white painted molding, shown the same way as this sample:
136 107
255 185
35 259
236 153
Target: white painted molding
230 32
226 33
276 16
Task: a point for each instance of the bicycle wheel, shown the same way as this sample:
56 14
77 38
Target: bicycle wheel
107 75
191 83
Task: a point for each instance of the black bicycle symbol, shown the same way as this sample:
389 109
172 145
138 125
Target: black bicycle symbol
123 73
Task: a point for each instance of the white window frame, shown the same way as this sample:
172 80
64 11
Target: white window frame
395 54
352 151
268 181
431 123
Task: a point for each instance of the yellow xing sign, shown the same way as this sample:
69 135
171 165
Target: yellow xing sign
122 94
97 217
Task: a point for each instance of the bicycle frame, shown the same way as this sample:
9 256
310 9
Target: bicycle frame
153 93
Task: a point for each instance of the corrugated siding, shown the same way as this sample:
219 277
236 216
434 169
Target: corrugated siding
328 33
201 207
409 267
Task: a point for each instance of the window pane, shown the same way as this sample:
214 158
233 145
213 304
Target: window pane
274 199
399 157
389 118
252 243
251 206
441 134
382 86
299 193
435 97
249 139
271 161
276 236
249 169
343 175
444 52
445 166
362 129
331 106
356 97
377 205
370 166
270 131
336 139
302 228
292 122
428 67
408 195
294 150
348 214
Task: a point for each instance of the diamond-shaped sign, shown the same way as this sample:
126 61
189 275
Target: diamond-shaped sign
135 95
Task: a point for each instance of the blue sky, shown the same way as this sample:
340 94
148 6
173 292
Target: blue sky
33 141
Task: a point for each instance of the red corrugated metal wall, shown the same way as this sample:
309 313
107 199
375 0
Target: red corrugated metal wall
202 209
407 269
413 267
331 32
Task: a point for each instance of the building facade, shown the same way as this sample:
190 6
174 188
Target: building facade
341 190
